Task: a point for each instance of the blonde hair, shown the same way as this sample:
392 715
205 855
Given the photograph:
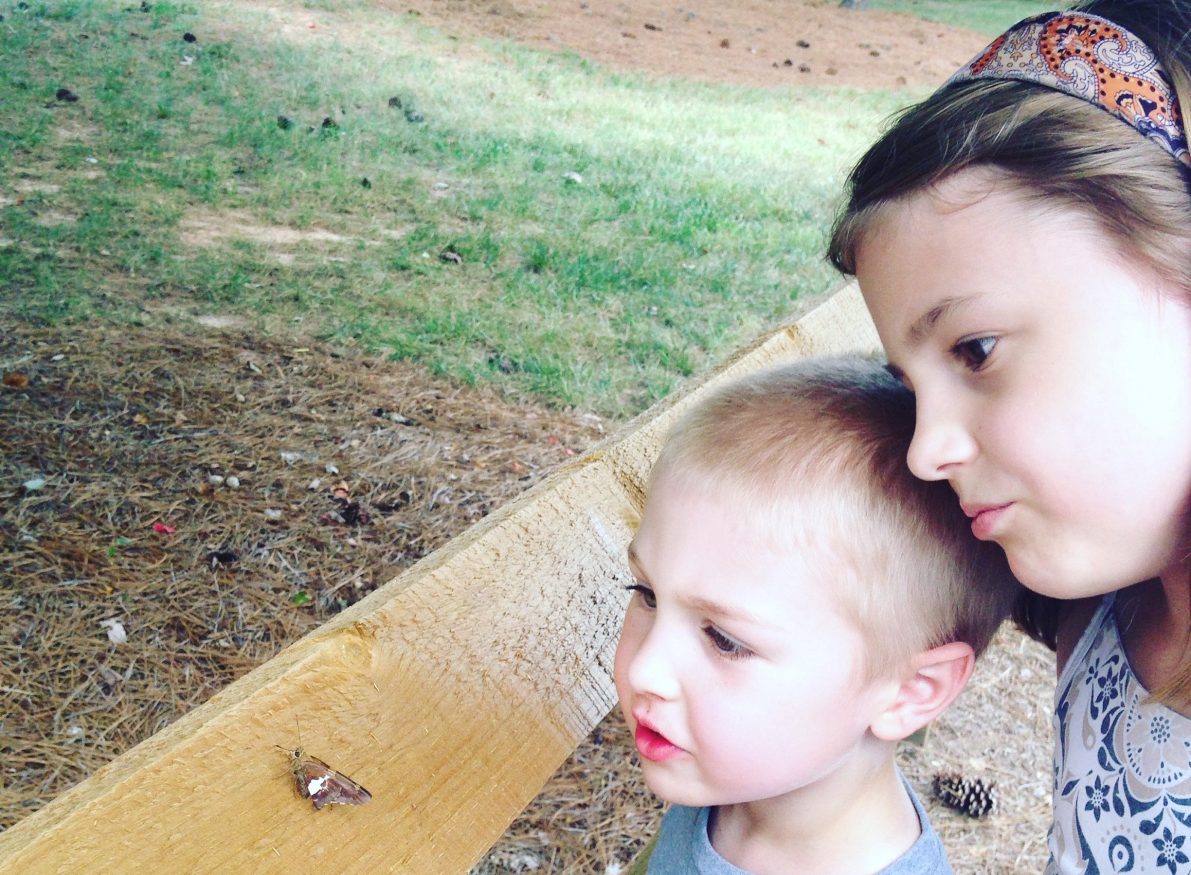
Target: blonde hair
816 453
1057 149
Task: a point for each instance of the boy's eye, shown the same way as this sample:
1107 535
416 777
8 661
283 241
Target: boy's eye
645 593
974 352
729 647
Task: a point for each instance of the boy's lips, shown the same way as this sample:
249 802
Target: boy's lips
986 518
654 746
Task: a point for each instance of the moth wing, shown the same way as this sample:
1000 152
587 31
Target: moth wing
324 785
341 791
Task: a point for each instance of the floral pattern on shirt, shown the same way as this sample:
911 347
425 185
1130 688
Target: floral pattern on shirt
1122 767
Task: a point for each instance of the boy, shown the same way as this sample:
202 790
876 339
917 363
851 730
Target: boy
801 604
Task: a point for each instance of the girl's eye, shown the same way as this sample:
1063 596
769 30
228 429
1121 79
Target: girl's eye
725 645
974 352
645 593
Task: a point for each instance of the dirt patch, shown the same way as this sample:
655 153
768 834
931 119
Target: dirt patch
21 188
68 130
54 218
204 229
766 43
25 186
222 321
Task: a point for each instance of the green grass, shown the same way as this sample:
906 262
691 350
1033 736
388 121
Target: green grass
987 16
614 233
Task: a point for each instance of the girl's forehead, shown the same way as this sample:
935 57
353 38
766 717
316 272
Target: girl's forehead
971 216
954 197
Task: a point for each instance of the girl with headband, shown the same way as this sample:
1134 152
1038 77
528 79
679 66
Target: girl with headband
1022 239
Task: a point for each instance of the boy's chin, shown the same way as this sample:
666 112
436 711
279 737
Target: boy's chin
669 788
679 790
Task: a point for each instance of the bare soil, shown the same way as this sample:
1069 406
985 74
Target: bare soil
765 43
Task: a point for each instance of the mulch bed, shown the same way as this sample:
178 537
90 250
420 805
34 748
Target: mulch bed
176 508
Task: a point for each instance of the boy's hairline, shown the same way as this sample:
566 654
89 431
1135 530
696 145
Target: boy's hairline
781 514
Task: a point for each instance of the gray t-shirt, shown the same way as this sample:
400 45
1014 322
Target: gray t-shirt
684 847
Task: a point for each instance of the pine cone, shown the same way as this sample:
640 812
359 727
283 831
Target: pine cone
971 796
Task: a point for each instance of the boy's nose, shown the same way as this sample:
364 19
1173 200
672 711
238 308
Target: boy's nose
941 442
651 669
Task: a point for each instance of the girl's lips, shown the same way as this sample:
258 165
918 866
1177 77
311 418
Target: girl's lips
654 746
986 519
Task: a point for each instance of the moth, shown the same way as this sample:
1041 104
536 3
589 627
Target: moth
322 784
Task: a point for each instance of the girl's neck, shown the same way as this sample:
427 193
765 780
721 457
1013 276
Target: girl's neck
858 821
1154 619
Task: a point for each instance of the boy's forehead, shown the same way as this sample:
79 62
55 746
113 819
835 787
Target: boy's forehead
799 524
760 502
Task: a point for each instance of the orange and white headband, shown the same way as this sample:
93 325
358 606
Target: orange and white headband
1091 58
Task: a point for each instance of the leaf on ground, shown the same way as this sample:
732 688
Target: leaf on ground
115 629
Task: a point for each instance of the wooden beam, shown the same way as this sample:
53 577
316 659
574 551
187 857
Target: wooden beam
452 693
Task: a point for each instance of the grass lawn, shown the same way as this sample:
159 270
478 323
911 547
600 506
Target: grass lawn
567 232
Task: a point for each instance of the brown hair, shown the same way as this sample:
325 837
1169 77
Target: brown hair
816 453
1053 148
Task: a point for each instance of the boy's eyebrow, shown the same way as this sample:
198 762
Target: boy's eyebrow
727 612
923 325
707 606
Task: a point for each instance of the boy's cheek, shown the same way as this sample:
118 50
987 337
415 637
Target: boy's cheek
636 621
632 633
636 626
626 645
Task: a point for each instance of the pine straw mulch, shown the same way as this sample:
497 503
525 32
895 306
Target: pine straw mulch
117 453
349 469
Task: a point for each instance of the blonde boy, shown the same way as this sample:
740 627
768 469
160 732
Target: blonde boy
802 603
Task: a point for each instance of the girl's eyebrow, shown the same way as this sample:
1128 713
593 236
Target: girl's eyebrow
924 324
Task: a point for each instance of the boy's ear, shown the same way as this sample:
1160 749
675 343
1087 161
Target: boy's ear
936 678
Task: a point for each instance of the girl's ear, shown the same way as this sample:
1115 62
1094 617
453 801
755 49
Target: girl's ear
936 678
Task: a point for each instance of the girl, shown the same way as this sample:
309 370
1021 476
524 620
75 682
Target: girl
1023 241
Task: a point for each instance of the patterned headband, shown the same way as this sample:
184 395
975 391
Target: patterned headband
1091 58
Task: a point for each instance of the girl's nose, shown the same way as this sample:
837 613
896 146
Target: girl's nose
941 443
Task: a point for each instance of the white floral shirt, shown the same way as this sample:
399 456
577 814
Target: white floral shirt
1122 798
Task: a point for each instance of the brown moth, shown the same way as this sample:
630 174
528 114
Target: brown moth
322 784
